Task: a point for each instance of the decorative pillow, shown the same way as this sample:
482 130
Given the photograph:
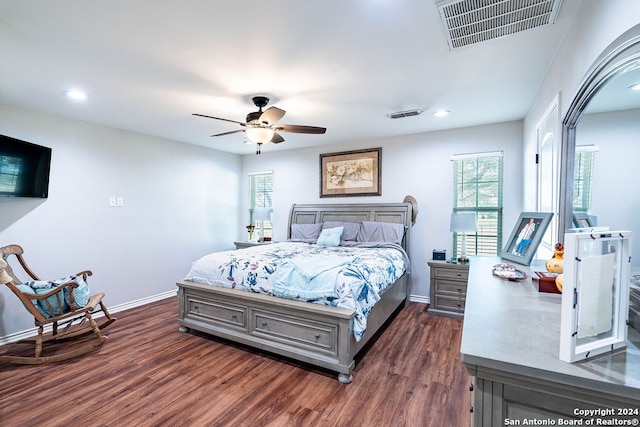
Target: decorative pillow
381 232
81 294
27 289
330 236
55 301
350 232
305 231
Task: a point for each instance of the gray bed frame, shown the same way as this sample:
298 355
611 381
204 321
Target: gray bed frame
310 333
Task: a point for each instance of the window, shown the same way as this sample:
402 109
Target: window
477 187
261 196
583 172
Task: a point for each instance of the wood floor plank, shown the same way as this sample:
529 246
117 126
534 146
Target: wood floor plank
149 374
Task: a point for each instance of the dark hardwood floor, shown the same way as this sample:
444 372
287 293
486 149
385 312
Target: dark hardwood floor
149 374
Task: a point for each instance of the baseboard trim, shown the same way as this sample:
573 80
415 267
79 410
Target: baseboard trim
419 298
17 336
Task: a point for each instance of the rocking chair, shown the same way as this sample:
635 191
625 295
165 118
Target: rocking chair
56 307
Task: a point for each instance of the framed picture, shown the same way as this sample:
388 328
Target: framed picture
526 236
581 220
351 173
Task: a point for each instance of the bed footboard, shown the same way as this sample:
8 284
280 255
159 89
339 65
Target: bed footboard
310 333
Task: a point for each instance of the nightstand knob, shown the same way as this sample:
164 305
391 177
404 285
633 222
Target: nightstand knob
459 274
470 408
470 386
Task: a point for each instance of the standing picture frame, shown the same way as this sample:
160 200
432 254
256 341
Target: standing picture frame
351 173
526 236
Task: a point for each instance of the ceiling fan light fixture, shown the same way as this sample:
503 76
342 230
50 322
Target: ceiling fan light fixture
259 134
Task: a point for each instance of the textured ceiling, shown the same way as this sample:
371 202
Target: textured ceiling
344 65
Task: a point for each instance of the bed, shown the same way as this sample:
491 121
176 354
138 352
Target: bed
317 333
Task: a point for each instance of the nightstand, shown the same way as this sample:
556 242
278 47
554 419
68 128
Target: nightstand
448 288
244 245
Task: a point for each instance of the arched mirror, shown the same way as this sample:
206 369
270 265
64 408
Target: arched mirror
600 169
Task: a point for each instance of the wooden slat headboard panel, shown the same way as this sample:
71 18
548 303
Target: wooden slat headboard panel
399 213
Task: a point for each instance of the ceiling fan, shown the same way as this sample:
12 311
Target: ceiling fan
260 126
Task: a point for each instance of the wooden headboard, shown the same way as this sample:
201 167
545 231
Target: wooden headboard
398 213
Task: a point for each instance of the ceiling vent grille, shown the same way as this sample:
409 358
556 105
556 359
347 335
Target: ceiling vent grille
401 114
473 21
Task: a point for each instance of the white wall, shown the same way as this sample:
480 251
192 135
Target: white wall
417 165
180 202
597 24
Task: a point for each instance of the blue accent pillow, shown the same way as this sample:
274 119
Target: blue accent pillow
330 236
350 229
27 289
54 301
81 294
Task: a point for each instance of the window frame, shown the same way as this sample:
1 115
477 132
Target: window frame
266 201
479 239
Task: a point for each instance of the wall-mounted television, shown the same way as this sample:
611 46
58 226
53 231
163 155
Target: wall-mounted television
24 168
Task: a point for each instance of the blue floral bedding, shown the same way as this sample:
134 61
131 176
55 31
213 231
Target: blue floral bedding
359 281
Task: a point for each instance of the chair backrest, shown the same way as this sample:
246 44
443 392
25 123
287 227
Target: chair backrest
17 251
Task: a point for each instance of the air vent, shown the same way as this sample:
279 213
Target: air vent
473 21
401 114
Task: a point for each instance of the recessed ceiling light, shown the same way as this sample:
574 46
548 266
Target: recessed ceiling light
635 87
441 113
76 94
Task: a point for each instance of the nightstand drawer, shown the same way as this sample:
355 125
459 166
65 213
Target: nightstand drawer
450 303
452 287
450 273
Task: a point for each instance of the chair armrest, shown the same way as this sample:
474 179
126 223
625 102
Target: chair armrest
84 274
71 285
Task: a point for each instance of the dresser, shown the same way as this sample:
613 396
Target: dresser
510 346
448 288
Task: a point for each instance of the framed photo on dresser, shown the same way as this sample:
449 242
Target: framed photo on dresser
526 237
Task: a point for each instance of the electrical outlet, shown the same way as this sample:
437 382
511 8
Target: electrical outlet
120 201
112 201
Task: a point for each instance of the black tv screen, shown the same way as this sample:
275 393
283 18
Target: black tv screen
24 168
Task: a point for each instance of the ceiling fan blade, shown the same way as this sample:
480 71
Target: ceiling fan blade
301 129
219 118
229 133
277 138
272 115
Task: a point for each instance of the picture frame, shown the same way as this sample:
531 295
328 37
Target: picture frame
526 237
581 220
351 173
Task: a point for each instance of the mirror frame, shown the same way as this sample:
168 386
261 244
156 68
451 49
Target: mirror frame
612 61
